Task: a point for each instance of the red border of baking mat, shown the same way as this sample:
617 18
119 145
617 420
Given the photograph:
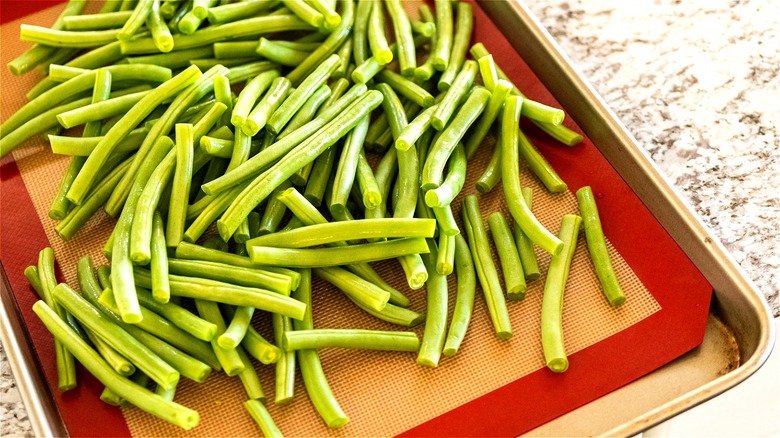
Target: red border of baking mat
655 258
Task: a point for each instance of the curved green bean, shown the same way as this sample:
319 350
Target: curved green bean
407 88
267 107
346 171
249 95
141 231
436 316
228 357
539 166
460 45
360 31
236 330
280 54
65 38
453 182
512 268
355 287
493 109
377 40
407 56
455 95
440 52
464 298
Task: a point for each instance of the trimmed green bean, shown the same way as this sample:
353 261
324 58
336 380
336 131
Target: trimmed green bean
236 330
492 173
137 395
228 357
539 166
211 290
360 47
118 363
260 414
407 88
305 12
407 57
280 54
136 20
464 298
440 52
597 247
414 130
239 10
321 172
179 316
322 257
487 70
453 182
486 270
345 56
460 45
445 261
161 34
297 98
514 278
141 232
455 95
101 21
493 109
235 49
308 111
377 40
249 95
525 247
351 338
371 195
511 180
267 107
159 262
436 316
552 302
274 212
249 378
201 7
414 269
221 32
347 167
355 287
285 366
446 220
331 17
425 29
450 137
180 185
65 38
238 275
100 110
173 60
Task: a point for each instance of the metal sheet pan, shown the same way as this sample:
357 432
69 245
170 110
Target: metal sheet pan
738 313
739 333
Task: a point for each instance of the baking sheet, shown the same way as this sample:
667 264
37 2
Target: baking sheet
440 407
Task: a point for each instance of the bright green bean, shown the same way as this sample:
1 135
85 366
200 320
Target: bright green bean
512 268
369 188
347 167
238 275
159 262
455 95
440 52
321 171
331 17
597 247
285 366
322 257
360 32
137 395
539 166
486 270
464 298
180 185
487 70
260 414
446 258
237 328
450 137
136 20
377 40
453 182
249 95
305 12
492 173
179 316
161 34
308 111
109 20
99 110
345 57
407 56
414 130
355 287
330 232
525 247
64 38
552 302
279 53
266 108
228 357
460 45
249 378
493 109
351 338
425 29
511 180
407 88
436 316
237 11
173 60
415 271
141 232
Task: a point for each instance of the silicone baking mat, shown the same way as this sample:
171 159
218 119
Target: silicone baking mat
490 387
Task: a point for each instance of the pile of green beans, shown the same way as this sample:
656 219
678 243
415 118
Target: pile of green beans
244 146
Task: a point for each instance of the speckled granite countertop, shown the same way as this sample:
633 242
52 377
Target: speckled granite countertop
697 83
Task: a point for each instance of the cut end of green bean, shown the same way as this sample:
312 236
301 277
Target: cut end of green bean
558 364
383 57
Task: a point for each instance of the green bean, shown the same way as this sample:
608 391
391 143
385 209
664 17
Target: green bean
62 73
204 289
460 45
492 173
285 366
414 130
235 49
210 213
263 185
446 257
323 257
260 414
322 170
440 52
453 182
201 8
486 270
496 102
464 301
179 316
525 247
268 105
347 167
174 60
423 28
159 262
311 369
355 287
108 20
249 95
345 55
249 378
456 94
307 112
180 185
237 328
443 147
217 147
369 188
240 10
221 32
280 54
118 363
274 212
407 88
385 171
116 337
328 47
394 314
136 20
137 395
64 38
360 31
161 35
66 368
414 269
436 318
446 220
228 357
298 97
168 8
80 214
305 12
38 53
60 204
121 272
86 177
539 166
511 180
377 40
158 326
141 232
175 19
407 57
426 70
99 110
256 345
552 301
238 275
351 338
487 70
597 247
514 277
331 18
